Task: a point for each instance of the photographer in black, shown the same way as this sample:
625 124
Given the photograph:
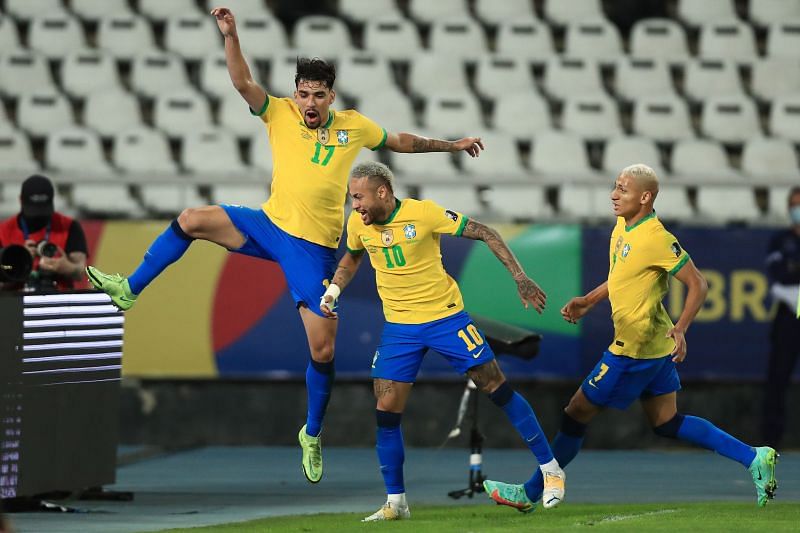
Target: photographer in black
56 242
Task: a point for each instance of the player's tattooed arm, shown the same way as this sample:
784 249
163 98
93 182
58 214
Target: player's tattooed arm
348 266
408 143
529 291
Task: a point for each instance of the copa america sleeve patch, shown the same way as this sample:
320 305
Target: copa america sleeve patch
452 215
676 249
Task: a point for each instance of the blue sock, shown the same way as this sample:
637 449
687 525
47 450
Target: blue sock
165 250
521 414
319 380
565 447
391 454
703 433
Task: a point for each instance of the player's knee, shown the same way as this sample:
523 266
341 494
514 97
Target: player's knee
190 221
669 429
322 351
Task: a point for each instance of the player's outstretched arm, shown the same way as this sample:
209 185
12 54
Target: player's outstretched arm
348 266
242 79
408 143
529 292
696 290
576 308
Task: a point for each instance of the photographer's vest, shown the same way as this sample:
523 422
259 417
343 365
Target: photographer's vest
57 233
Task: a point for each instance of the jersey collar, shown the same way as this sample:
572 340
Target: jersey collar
330 119
394 213
642 220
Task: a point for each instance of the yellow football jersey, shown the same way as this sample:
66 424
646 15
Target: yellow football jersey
405 252
310 168
642 257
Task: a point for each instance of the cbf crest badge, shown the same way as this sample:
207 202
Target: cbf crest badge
342 136
323 135
626 250
387 237
409 231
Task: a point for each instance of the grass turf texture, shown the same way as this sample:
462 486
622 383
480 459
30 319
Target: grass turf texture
714 516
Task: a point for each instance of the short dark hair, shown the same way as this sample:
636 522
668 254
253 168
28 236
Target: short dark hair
315 69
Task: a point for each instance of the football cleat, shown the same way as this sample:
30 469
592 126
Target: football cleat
114 285
763 471
553 493
389 511
507 494
312 455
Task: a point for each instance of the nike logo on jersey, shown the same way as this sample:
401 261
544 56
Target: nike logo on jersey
476 355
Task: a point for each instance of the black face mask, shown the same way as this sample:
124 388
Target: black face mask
36 223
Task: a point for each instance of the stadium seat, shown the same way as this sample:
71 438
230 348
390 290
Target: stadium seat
105 199
425 167
428 12
320 32
672 203
156 73
462 198
159 10
598 40
143 150
88 71
662 118
41 111
497 77
696 13
214 78
235 116
211 151
248 195
766 12
243 8
500 160
363 73
723 204
283 68
620 152
777 209
559 153
773 77
635 78
21 70
396 38
701 160
261 36
448 76
530 40
704 78
518 202
768 158
93 10
457 39
56 35
260 154
783 39
110 111
585 202
592 117
731 40
659 38
784 118
730 119
181 112
494 13
453 116
170 198
571 77
391 110
192 36
125 36
15 152
27 9
77 153
9 36
562 12
523 115
363 11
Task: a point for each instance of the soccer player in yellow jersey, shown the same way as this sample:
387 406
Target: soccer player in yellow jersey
424 310
300 225
640 362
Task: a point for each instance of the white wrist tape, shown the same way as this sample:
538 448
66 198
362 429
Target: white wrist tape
334 291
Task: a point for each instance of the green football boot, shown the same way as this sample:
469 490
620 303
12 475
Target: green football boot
507 494
312 455
114 285
763 471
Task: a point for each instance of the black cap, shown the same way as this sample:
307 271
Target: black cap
37 196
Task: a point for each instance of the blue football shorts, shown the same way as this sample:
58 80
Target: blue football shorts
403 347
617 381
306 265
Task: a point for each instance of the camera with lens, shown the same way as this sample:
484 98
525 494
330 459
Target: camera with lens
45 248
16 264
